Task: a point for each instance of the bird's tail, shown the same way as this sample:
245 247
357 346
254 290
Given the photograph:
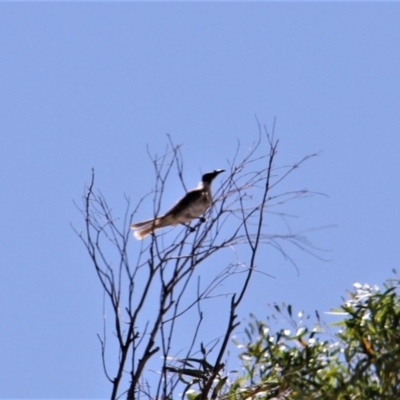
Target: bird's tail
142 223
148 226
142 233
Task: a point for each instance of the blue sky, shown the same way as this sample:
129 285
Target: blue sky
87 85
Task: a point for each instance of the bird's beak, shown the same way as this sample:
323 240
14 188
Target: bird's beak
218 171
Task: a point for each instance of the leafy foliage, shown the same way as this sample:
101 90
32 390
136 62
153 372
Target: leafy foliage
359 361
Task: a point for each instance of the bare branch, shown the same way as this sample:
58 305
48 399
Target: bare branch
154 293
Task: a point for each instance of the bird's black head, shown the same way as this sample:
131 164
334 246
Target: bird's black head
209 176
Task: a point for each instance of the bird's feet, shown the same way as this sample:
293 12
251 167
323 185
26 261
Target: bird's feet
191 229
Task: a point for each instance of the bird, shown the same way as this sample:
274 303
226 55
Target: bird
191 206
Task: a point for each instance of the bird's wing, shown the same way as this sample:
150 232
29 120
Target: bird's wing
189 198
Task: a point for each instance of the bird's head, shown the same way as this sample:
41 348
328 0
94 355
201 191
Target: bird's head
209 176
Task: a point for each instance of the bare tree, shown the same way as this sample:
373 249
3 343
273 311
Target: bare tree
152 291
